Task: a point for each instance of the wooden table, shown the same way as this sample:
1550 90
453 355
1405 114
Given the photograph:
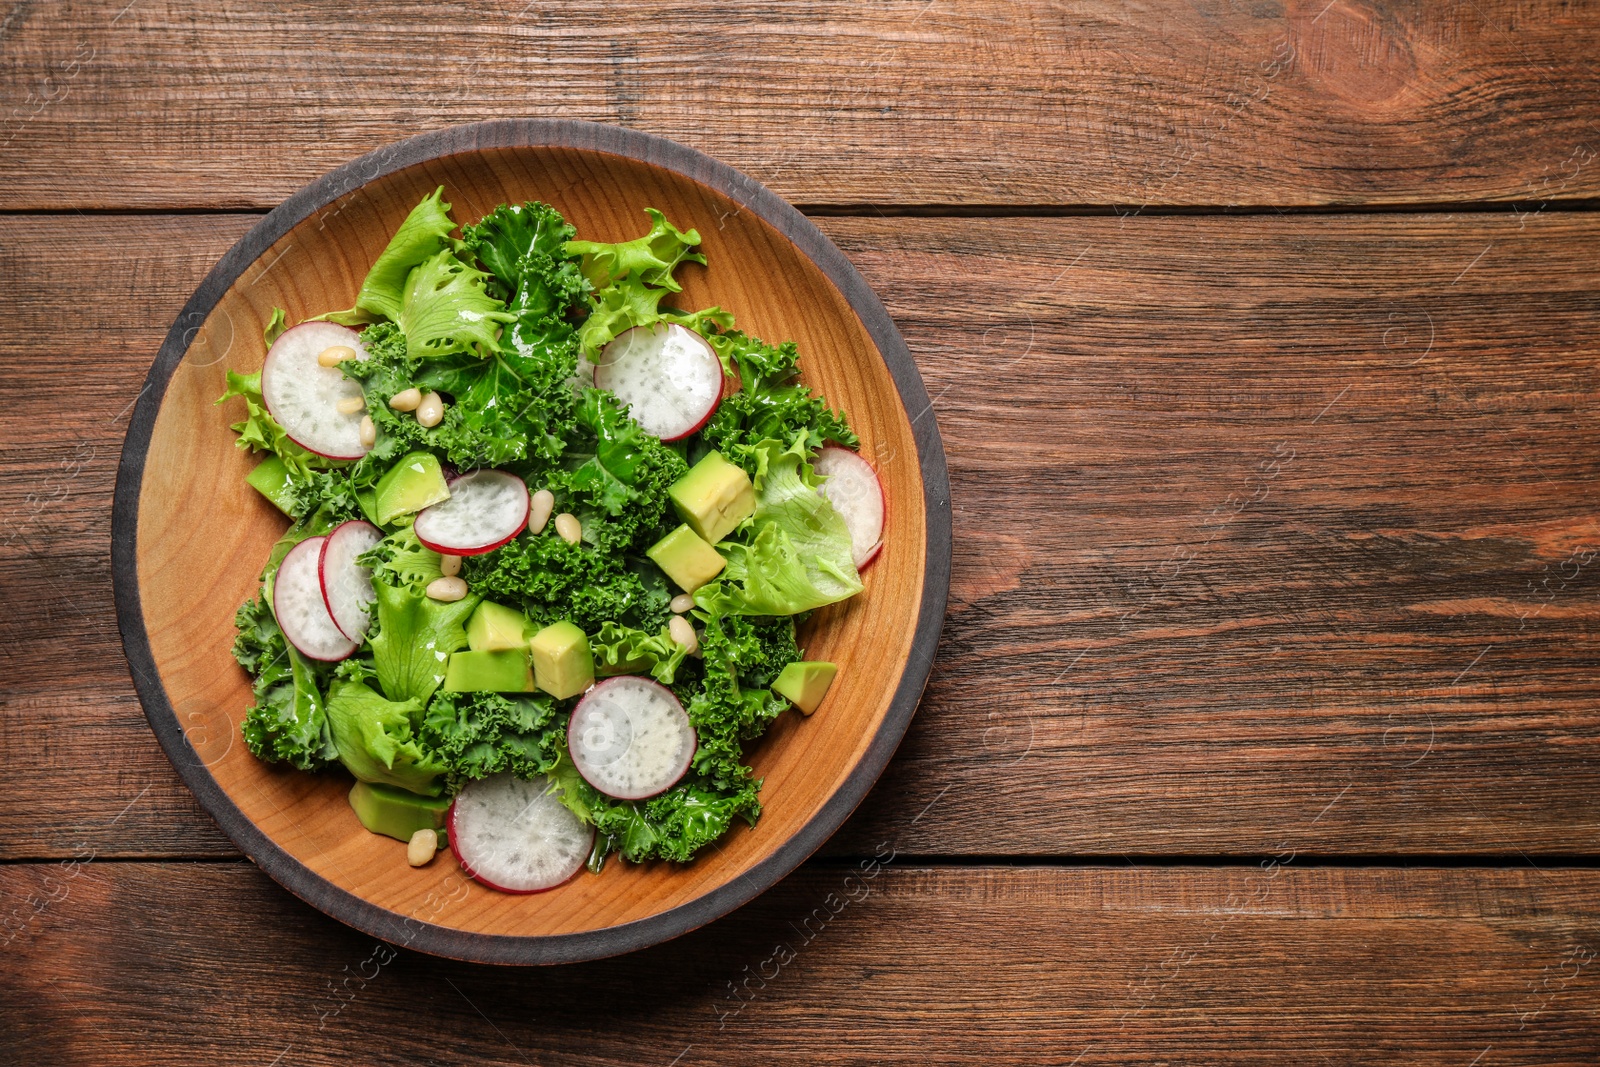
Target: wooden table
1263 343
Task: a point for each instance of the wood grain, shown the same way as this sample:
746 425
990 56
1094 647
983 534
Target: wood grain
1240 671
160 104
185 963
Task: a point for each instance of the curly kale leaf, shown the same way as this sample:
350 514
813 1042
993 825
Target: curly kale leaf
672 826
479 734
618 478
552 580
741 657
770 403
288 722
523 247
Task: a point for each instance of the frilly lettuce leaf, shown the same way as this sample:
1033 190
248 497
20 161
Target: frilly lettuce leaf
630 280
415 636
621 649
651 258
423 234
446 308
260 432
377 741
798 555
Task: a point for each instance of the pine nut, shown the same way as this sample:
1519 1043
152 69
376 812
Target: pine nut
351 404
681 603
544 502
424 843
450 566
406 399
334 355
447 589
568 526
431 409
682 633
369 432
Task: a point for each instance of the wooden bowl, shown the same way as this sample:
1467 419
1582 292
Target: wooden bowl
189 536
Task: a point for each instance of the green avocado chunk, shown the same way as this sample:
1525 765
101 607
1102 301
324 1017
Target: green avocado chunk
805 683
500 671
714 497
412 484
563 665
270 478
495 627
395 813
685 557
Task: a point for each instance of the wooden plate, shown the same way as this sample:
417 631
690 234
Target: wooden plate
189 537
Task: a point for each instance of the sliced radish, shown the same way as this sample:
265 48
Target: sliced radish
346 585
668 376
630 738
516 836
304 396
486 509
855 492
301 612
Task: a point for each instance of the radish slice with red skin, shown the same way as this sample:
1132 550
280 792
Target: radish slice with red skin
853 488
630 738
486 509
516 836
346 585
303 395
301 612
666 374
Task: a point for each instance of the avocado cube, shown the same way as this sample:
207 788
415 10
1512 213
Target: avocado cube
412 484
714 497
685 558
805 683
563 666
505 671
495 627
396 813
270 478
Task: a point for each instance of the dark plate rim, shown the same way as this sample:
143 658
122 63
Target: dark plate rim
505 948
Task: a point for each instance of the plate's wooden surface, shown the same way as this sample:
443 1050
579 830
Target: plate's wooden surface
203 534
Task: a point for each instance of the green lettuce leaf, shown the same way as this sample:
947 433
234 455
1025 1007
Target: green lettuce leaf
522 245
631 278
415 636
651 258
798 556
278 323
377 742
446 308
423 234
619 649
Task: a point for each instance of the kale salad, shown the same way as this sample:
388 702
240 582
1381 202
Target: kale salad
550 538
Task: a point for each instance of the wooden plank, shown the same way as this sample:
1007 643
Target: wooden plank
905 102
185 963
1159 642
